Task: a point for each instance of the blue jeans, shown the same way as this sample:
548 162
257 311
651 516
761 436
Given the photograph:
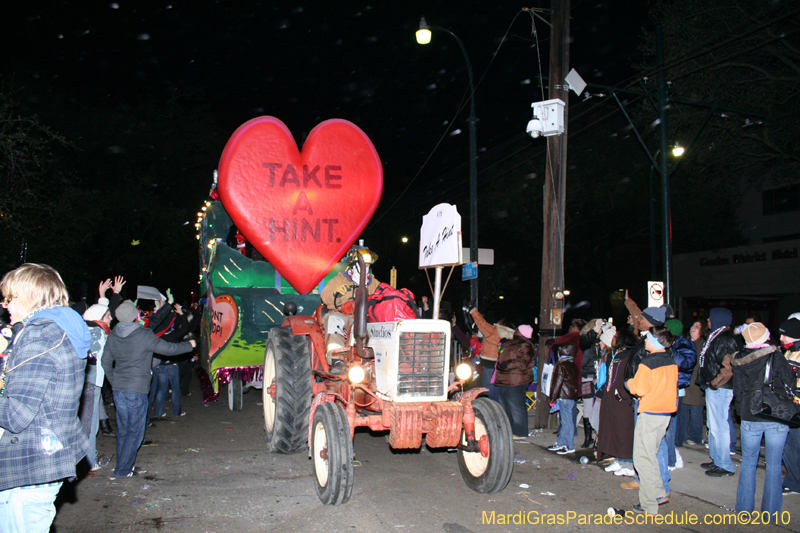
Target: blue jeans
775 436
167 376
791 460
670 436
486 380
718 406
131 418
566 436
28 509
513 401
690 424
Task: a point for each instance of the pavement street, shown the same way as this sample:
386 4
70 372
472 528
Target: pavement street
209 471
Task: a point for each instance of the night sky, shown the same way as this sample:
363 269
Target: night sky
305 62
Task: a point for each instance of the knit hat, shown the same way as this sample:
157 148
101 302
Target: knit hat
791 328
755 333
127 312
720 318
526 331
607 337
95 313
675 326
655 315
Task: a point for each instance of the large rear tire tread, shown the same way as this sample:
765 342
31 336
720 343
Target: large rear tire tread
501 449
293 392
331 418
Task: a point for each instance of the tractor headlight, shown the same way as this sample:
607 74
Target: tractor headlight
356 374
463 372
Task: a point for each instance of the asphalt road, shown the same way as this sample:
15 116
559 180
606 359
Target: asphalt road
209 472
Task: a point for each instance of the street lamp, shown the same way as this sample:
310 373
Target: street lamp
424 37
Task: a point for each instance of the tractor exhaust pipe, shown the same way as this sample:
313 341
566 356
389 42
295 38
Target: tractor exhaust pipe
360 315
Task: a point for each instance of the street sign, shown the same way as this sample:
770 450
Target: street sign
655 293
469 271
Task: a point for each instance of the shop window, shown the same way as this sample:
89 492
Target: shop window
781 200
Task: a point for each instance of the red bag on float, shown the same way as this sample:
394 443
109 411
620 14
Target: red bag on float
389 305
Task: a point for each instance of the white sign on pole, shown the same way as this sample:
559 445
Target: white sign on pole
440 237
655 293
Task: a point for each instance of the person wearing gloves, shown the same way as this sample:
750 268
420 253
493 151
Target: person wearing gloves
493 335
127 361
42 439
514 373
715 373
790 341
749 372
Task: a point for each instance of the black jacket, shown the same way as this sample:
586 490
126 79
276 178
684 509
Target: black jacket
711 364
639 352
749 368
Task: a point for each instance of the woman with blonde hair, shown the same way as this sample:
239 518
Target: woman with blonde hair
41 437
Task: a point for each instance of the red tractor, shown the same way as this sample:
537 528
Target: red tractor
387 376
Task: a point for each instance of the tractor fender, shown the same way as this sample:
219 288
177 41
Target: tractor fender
319 399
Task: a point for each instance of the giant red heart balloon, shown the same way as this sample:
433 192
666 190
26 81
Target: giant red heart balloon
301 210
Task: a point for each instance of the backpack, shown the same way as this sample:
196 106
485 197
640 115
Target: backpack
389 305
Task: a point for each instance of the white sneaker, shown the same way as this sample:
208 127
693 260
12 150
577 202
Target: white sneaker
565 451
613 467
625 472
556 447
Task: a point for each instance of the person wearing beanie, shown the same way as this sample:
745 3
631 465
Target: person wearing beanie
127 361
749 370
790 342
715 374
98 320
588 389
513 374
684 354
656 384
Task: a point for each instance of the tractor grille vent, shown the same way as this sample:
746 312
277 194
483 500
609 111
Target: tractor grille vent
421 367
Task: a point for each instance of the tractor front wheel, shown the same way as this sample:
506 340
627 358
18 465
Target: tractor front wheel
286 391
488 471
235 394
332 454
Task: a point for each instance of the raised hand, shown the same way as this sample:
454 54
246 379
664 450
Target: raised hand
103 287
119 281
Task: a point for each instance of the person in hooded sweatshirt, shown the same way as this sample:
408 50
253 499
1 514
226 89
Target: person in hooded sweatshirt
749 372
127 361
42 438
715 375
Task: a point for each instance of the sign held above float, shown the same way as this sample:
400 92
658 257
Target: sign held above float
302 210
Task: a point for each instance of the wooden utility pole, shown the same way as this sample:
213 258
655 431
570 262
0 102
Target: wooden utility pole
554 199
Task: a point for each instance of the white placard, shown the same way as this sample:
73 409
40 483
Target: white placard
144 292
440 237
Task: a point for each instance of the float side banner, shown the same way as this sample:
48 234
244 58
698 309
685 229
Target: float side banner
440 237
301 210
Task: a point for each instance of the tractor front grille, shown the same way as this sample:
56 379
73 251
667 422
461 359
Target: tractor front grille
421 367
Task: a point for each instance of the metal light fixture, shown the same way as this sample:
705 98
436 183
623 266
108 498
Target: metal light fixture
424 32
424 37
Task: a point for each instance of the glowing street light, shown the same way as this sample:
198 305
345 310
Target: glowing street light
678 150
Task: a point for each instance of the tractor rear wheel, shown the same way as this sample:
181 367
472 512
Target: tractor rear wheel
490 472
286 391
332 454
